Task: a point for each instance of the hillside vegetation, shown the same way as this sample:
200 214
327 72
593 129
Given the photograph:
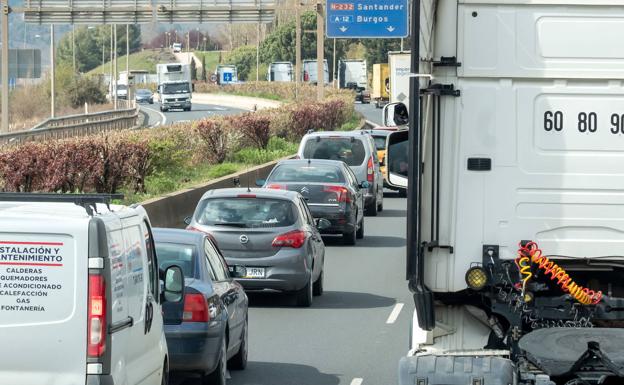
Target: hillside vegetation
144 61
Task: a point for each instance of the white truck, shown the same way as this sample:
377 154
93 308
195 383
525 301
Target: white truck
353 74
399 68
309 71
516 194
174 86
280 72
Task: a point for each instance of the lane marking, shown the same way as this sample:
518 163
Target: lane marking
163 117
357 381
395 313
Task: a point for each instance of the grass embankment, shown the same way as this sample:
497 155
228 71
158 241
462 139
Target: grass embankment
211 59
141 61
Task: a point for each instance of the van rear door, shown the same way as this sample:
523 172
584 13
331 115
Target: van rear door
43 301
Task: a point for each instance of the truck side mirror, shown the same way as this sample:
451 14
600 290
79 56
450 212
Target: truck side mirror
395 114
397 158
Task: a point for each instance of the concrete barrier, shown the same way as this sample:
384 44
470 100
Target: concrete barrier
171 209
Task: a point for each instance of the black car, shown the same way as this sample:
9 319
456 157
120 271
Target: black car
331 190
143 95
207 333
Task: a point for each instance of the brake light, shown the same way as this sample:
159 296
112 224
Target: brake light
306 76
96 316
342 193
195 308
370 170
277 186
294 239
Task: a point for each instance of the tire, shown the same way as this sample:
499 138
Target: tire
360 232
317 290
304 296
239 361
218 376
371 210
403 193
165 374
380 206
349 237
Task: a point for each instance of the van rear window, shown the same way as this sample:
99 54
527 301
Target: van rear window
347 149
37 278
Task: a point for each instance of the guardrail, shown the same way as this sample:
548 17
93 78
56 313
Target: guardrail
77 125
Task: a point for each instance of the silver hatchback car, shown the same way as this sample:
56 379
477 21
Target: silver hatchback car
356 149
269 232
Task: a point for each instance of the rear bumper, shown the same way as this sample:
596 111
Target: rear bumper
342 221
287 270
194 346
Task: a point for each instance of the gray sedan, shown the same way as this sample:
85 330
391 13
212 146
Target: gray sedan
271 233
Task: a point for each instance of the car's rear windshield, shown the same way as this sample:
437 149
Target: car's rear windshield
307 174
347 149
179 254
246 212
380 142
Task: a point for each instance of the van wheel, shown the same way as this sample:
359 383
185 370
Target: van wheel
304 296
380 206
218 376
371 210
239 361
360 232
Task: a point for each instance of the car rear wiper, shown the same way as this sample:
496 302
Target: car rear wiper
233 224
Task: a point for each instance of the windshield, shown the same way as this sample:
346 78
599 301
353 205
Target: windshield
246 212
122 87
380 142
176 88
143 92
182 255
347 149
307 174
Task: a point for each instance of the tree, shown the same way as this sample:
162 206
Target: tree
193 69
244 58
377 49
204 76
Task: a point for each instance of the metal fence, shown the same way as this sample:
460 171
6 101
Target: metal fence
77 125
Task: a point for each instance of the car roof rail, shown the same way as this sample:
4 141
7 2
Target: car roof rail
87 201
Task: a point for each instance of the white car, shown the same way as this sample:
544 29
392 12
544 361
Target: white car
80 294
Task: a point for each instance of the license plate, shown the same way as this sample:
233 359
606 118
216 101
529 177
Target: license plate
255 272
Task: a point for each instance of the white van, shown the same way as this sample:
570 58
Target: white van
80 299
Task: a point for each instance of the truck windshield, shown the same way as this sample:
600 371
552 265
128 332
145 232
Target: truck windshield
177 88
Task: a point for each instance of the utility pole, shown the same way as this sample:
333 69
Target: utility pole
52 73
5 65
127 50
111 72
115 69
258 54
320 52
297 48
334 67
74 46
188 47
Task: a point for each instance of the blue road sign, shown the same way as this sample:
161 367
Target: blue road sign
227 77
367 18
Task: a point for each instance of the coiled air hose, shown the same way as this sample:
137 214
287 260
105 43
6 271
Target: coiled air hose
531 254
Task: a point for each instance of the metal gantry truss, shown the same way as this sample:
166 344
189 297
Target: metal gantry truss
147 11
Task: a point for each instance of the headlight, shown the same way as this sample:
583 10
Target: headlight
476 278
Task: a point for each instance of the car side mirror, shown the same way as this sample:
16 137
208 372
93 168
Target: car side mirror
174 284
188 220
322 223
260 182
395 114
364 184
237 271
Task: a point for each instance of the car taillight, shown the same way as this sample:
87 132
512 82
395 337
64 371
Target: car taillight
195 308
306 76
342 193
370 170
277 186
96 316
294 239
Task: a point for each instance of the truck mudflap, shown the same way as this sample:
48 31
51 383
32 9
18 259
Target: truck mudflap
567 351
455 370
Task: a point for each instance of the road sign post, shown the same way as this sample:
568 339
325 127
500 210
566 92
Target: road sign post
367 18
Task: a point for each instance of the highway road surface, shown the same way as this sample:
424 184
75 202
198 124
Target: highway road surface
369 112
354 334
199 111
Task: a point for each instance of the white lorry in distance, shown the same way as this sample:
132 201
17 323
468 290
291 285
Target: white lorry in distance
515 249
353 74
176 47
280 72
174 86
399 70
309 70
226 74
80 293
